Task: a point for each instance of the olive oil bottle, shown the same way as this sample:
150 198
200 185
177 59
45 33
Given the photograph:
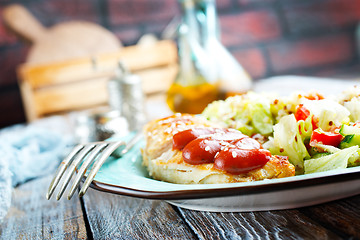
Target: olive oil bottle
192 89
207 71
196 84
233 78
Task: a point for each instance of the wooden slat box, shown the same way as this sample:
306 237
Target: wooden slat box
82 83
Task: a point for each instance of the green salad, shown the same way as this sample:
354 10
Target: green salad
316 133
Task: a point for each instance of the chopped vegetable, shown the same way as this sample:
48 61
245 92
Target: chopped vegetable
349 130
338 160
304 127
248 113
354 108
289 142
327 138
329 113
302 113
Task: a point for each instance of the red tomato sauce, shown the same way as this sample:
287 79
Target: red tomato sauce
228 149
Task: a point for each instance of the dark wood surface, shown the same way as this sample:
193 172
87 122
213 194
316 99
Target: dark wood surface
32 216
118 217
100 215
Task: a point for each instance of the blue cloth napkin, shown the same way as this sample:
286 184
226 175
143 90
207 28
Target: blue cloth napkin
27 152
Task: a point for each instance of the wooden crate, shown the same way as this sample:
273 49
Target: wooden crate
82 83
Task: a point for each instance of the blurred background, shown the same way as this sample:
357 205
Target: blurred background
268 37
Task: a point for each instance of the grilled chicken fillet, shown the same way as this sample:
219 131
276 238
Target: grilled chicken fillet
167 164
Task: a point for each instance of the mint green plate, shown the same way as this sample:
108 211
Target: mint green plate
127 176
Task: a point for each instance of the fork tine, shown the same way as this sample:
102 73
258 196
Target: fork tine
131 143
84 167
61 169
97 165
79 157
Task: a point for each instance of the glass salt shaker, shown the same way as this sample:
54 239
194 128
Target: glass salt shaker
114 88
133 107
127 97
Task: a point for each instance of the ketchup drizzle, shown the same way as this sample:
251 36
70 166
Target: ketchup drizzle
228 149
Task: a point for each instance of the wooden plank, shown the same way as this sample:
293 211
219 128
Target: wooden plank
290 224
81 83
118 217
342 216
135 58
32 216
157 80
77 95
87 94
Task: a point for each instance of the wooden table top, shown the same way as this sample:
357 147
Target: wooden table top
100 215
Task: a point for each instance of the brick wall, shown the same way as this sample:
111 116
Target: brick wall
268 37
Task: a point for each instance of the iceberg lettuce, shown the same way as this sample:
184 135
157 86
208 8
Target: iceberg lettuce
337 160
327 112
305 127
261 118
288 141
354 108
248 113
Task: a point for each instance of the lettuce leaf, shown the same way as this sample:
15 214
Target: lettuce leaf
328 113
337 160
261 118
288 141
249 113
305 127
354 160
354 108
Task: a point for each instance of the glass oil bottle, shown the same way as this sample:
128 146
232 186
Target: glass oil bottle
208 71
233 79
196 84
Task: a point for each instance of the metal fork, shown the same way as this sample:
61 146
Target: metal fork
86 154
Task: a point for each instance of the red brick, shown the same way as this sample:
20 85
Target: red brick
128 36
155 27
6 38
11 108
9 60
349 71
50 12
249 27
250 2
223 4
124 12
329 14
252 61
311 53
